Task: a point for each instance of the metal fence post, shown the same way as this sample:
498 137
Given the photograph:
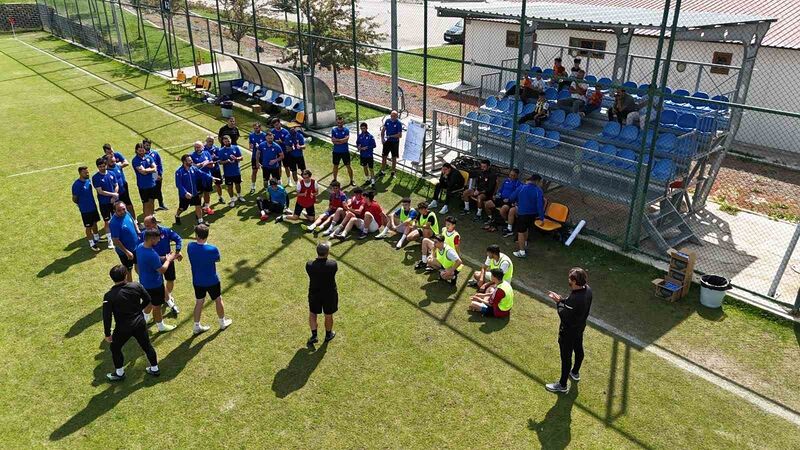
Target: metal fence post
393 35
219 29
191 38
255 31
787 256
124 29
355 55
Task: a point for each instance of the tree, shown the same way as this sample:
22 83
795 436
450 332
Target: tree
332 19
236 12
284 6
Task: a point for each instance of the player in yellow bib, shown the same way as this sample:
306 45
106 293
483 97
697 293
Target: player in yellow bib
498 302
444 259
451 238
494 260
425 226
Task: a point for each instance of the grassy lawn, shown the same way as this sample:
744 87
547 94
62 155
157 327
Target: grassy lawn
347 109
272 37
439 72
409 369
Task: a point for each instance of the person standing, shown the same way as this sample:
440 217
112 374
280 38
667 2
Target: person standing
151 268
231 130
203 258
573 312
203 161
189 181
159 175
530 206
213 150
164 248
125 235
269 155
391 132
124 303
107 187
366 147
323 296
295 144
255 138
145 169
280 136
229 157
116 167
340 135
82 196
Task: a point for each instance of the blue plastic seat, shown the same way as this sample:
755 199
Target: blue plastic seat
591 150
536 136
592 145
611 130
524 128
605 82
553 139
720 98
680 93
572 121
510 84
299 106
668 118
563 94
556 118
485 118
535 69
696 100
629 134
547 73
627 159
707 124
644 86
630 85
662 170
491 103
607 150
551 93
667 90
686 122
502 105
666 142
528 109
590 79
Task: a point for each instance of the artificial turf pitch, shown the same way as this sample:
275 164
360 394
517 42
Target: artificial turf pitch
409 368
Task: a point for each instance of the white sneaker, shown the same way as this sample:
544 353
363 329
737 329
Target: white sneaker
289 183
232 203
520 254
327 232
444 210
225 323
200 329
433 204
110 244
241 198
164 327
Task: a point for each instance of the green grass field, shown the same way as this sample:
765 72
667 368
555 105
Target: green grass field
409 369
439 72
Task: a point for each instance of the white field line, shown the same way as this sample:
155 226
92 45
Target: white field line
42 170
761 402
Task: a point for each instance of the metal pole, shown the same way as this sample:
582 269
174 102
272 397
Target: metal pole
355 54
311 64
69 22
80 22
171 32
116 23
125 30
94 25
393 34
425 68
140 19
784 262
191 38
108 26
523 22
219 28
255 31
300 54
165 37
213 59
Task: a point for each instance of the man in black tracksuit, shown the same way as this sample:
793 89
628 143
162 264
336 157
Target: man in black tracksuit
573 312
450 181
125 301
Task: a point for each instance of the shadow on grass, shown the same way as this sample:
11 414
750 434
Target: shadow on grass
170 366
85 322
555 430
61 265
712 314
489 324
295 375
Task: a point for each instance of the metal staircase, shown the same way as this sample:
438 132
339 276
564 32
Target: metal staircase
666 226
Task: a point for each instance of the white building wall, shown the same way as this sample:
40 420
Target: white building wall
485 43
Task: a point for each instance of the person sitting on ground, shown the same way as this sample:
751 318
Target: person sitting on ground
276 202
402 221
450 181
494 260
306 197
438 256
501 201
426 226
624 104
451 237
486 182
352 208
371 221
336 200
500 302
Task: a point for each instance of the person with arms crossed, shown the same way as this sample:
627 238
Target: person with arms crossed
401 221
159 175
151 268
114 166
336 200
188 180
203 161
256 137
494 260
203 258
295 145
323 296
82 196
280 136
269 155
306 198
107 187
391 132
213 150
277 201
573 311
366 149
145 169
499 302
530 206
340 135
164 248
229 157
450 181
124 303
125 235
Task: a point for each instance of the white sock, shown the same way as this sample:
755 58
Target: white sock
91 242
171 303
154 368
197 324
466 206
479 213
97 236
120 372
509 227
252 185
146 317
425 259
402 239
160 325
312 227
222 321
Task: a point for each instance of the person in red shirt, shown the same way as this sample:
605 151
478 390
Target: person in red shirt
488 304
307 190
352 209
372 220
336 201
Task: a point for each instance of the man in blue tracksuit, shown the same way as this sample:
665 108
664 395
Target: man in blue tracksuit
188 180
163 248
159 175
530 206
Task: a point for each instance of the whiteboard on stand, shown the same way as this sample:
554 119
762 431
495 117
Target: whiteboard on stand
415 139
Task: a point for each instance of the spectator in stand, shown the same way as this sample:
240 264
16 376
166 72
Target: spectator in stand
576 67
502 200
624 104
486 182
540 112
450 181
499 302
559 74
594 102
537 84
577 99
530 206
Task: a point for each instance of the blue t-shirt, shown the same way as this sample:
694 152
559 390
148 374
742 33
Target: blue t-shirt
116 169
277 195
268 153
281 136
203 259
168 236
410 214
120 159
530 200
295 140
225 153
367 140
340 133
83 190
257 138
149 262
108 182
122 228
157 159
187 180
202 157
147 180
507 188
392 127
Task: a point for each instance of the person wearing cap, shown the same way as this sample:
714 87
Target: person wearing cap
159 174
401 221
203 258
164 248
443 259
494 260
496 303
151 268
107 187
530 206
323 295
538 85
189 181
275 202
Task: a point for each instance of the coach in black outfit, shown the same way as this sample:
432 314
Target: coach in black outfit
231 130
323 296
125 301
573 312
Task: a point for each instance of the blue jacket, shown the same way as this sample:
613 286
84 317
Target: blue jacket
186 180
530 200
168 236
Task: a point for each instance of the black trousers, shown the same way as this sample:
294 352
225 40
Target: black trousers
159 195
569 343
120 337
442 186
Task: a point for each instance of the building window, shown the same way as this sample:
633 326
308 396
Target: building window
591 44
512 39
721 58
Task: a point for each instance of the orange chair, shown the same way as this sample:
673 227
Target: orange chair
555 216
178 80
191 84
299 120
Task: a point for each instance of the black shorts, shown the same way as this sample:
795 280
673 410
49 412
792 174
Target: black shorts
216 174
148 194
299 209
106 209
271 172
295 163
184 203
169 275
524 222
391 147
499 202
213 291
367 161
233 179
286 159
327 305
341 158
157 295
128 263
125 196
205 185
90 219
